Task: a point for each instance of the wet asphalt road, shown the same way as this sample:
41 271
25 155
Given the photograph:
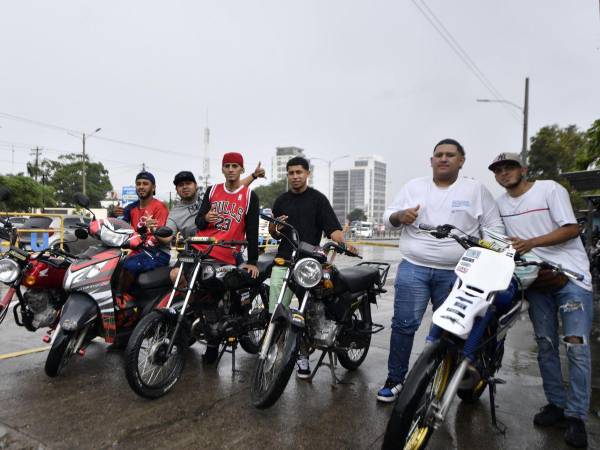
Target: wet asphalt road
91 405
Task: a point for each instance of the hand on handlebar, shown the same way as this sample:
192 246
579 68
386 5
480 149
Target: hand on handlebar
251 268
278 227
521 245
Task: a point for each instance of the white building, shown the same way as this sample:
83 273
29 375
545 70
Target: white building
282 156
362 187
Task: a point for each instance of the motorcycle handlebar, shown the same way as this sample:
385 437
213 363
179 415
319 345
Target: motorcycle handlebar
545 264
340 248
210 240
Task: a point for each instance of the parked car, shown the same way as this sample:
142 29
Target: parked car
18 221
70 242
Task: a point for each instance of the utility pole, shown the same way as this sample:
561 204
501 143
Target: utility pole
34 151
83 158
83 177
525 120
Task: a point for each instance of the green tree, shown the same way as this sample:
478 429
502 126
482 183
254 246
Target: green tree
590 156
65 178
26 193
268 193
356 214
555 150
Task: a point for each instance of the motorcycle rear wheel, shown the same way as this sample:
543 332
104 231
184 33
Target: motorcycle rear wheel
410 425
61 351
352 358
251 341
272 374
149 371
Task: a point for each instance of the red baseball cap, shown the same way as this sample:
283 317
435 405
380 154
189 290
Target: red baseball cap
233 157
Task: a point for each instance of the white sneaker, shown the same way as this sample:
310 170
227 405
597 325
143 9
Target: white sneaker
303 371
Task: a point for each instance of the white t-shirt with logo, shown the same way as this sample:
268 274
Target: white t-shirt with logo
466 204
542 209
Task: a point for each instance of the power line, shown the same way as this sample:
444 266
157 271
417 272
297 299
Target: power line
102 138
461 53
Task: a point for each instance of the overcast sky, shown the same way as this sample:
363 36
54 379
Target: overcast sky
333 77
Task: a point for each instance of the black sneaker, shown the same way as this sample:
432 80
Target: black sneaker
549 415
575 435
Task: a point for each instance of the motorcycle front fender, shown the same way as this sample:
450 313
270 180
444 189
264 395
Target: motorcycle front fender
78 311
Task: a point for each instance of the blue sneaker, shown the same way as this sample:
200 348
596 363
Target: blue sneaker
389 392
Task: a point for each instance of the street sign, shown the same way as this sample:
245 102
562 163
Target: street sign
128 195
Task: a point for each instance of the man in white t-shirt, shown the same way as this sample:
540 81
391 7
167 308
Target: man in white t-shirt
427 268
539 218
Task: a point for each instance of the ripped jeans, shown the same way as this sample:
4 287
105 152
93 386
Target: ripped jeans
574 304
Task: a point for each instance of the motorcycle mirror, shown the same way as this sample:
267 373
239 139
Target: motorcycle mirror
81 233
82 200
163 232
4 193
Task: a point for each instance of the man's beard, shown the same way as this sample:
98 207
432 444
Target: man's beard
514 184
144 197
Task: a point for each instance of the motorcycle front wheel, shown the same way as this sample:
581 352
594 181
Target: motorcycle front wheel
61 351
150 371
272 373
411 423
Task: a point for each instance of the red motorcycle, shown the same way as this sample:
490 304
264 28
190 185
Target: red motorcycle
91 308
35 278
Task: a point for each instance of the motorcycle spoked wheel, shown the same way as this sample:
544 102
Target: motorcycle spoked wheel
3 313
352 358
149 371
272 374
252 340
410 425
61 351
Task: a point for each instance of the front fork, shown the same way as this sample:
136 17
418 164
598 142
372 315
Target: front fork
440 409
188 294
280 311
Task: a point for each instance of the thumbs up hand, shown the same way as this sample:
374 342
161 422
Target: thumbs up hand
409 215
259 172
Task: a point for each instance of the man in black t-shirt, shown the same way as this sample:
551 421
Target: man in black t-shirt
311 214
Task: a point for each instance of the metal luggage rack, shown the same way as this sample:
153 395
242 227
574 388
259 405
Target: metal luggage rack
383 268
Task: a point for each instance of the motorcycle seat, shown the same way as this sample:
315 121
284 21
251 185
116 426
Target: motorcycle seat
358 278
155 278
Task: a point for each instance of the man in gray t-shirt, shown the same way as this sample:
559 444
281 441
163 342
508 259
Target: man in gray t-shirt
182 215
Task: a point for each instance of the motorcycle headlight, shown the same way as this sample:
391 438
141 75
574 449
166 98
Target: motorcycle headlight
113 238
9 270
307 272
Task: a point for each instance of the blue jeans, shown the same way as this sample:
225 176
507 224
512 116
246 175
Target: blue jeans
146 260
414 285
575 307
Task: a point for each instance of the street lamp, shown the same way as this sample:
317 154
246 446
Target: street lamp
524 109
329 162
83 138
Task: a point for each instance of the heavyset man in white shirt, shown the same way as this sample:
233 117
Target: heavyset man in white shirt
539 217
427 268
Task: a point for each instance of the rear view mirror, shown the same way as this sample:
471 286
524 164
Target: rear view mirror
81 233
82 200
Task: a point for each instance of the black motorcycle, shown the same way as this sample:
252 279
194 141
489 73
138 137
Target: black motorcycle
223 306
334 315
